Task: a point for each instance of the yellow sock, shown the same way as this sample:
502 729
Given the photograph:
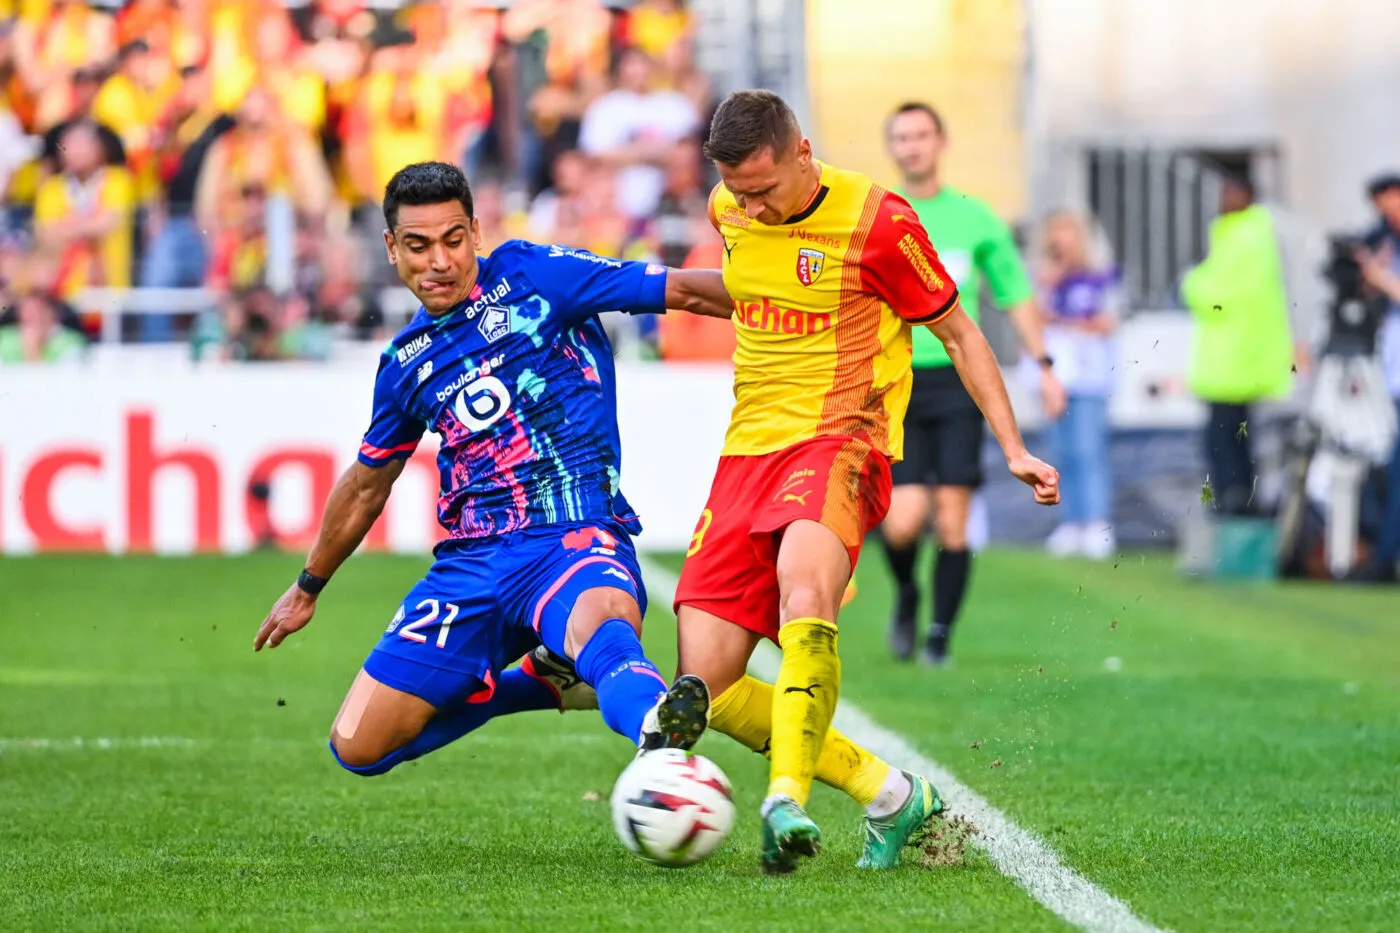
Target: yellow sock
744 712
804 700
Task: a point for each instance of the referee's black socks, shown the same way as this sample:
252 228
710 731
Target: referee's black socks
950 574
902 560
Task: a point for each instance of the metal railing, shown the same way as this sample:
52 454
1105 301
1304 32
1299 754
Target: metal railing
112 304
1155 202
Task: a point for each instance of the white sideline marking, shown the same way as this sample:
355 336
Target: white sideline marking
78 742
1017 853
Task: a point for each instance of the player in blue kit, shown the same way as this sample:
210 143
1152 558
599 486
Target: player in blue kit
508 362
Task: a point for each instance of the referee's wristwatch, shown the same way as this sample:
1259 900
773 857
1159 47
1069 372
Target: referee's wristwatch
1046 361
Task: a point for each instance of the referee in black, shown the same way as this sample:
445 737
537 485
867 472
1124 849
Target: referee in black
943 430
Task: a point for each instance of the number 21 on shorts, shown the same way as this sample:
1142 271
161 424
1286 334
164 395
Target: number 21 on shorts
412 632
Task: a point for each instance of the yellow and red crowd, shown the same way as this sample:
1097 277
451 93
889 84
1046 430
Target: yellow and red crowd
242 145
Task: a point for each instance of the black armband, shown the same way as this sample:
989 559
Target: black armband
311 584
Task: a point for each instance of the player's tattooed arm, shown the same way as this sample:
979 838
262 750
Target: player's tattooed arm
976 364
699 291
355 503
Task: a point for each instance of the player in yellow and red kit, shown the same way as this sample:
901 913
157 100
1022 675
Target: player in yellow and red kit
827 271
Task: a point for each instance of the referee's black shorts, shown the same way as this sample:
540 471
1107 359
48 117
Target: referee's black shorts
943 433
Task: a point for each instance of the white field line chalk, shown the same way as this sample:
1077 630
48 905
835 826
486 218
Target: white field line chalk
1017 853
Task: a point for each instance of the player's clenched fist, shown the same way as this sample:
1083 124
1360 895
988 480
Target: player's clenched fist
1038 475
289 614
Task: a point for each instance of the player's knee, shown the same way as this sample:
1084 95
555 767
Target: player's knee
952 535
811 598
901 531
906 519
717 675
360 757
611 603
594 608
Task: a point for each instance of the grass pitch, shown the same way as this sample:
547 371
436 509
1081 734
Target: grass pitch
1218 757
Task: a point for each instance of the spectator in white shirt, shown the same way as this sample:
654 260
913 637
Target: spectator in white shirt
633 128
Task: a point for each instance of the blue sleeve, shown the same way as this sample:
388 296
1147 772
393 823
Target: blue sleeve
393 434
580 284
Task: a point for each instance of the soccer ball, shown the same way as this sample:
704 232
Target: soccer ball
672 808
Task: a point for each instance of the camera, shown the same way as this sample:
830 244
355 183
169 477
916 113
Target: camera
1355 310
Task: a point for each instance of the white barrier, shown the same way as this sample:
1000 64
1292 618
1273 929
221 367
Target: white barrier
110 459
142 450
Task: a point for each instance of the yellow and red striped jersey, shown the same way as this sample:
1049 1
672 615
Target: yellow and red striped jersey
822 308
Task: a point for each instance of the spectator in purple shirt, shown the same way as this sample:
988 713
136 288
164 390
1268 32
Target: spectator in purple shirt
1081 298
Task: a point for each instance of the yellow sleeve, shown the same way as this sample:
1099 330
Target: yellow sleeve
108 108
119 194
307 102
49 201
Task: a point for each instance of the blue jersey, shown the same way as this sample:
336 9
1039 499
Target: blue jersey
518 382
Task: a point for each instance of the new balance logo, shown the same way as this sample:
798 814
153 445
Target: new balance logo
425 371
807 690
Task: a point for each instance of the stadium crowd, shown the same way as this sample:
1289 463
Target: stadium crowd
240 146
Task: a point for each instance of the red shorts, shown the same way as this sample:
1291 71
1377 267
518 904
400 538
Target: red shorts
731 569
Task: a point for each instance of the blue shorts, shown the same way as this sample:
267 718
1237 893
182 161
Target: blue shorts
482 604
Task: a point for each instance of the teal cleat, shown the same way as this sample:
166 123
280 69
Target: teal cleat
788 832
907 826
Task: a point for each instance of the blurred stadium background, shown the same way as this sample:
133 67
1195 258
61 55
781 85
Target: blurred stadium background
191 192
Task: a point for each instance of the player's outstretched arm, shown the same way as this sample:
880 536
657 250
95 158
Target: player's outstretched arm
699 291
355 503
977 366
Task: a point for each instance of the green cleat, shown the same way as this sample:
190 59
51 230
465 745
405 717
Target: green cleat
907 826
788 832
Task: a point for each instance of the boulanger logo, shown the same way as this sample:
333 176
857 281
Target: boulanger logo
476 372
482 403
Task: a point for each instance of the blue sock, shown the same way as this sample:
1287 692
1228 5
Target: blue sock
627 683
516 692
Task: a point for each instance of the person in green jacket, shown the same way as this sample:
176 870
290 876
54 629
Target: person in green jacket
943 430
37 336
1242 346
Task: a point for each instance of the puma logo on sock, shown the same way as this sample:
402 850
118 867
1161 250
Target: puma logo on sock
807 690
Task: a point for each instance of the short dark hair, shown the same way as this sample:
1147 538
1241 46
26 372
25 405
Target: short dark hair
425 183
131 48
916 106
1241 181
748 121
1382 183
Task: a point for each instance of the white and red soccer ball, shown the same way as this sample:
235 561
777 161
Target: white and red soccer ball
672 808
